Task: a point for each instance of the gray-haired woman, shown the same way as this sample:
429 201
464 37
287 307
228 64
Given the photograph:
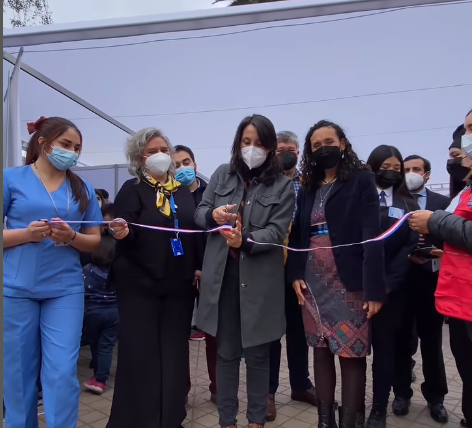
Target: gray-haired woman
153 272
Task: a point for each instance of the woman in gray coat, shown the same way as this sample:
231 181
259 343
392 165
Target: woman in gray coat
242 286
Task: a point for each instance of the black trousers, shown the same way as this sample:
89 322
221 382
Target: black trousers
385 327
153 356
421 310
460 334
229 354
297 349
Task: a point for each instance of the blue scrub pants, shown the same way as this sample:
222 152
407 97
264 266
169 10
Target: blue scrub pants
55 327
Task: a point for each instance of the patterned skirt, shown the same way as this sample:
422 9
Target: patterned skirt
333 316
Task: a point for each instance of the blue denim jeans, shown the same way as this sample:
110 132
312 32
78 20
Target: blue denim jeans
101 330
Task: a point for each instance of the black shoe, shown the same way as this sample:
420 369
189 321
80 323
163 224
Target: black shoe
326 416
348 418
464 423
401 406
438 413
377 418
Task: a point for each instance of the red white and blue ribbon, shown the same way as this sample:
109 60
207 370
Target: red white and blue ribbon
381 237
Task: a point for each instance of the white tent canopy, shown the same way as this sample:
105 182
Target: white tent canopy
399 77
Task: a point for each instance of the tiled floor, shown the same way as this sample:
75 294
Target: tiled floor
202 413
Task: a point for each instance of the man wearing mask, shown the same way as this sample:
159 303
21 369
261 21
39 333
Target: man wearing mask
454 291
186 173
297 349
422 312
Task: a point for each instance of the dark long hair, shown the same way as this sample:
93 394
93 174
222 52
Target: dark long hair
51 129
313 175
103 255
268 138
375 161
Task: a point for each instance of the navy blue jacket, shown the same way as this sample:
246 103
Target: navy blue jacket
352 213
398 246
97 294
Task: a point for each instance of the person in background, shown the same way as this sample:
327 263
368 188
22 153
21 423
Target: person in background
99 195
340 290
105 196
101 314
154 275
454 290
421 311
242 293
186 173
43 289
395 200
455 152
107 213
297 349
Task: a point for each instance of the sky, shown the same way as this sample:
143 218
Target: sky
400 78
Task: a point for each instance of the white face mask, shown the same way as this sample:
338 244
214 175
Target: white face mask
253 157
466 144
414 181
158 163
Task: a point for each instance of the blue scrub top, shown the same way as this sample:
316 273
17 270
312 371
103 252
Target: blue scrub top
42 270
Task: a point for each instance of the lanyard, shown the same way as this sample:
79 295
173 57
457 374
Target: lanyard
173 208
50 196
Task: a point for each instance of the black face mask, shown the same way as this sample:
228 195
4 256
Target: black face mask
456 170
388 178
287 160
326 157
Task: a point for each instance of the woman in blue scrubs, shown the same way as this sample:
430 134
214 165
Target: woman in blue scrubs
43 299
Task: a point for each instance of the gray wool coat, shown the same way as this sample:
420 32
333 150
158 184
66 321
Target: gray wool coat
266 218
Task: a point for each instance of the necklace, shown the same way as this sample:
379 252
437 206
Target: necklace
323 198
50 196
330 181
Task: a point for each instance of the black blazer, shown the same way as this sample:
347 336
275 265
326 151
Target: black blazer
145 256
352 214
398 246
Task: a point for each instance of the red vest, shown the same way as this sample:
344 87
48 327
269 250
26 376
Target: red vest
454 291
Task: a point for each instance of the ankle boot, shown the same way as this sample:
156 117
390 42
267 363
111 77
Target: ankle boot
361 419
326 416
348 418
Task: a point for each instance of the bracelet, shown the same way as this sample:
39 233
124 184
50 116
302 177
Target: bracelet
70 242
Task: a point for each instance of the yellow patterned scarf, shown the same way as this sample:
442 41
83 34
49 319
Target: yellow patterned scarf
163 192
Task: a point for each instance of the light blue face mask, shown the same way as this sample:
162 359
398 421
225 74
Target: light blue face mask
63 159
466 144
186 175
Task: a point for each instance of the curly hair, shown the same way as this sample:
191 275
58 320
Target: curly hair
349 163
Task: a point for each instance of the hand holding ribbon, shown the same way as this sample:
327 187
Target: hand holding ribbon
120 228
61 232
233 237
419 221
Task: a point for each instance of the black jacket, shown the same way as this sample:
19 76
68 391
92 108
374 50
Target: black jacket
450 228
353 215
145 256
97 293
398 246
434 202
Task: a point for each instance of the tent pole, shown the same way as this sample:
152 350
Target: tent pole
52 84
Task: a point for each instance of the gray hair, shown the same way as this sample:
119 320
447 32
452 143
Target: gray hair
287 137
135 146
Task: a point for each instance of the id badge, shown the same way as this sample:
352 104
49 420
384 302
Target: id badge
436 265
177 248
395 213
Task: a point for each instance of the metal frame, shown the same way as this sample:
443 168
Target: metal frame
197 20
52 84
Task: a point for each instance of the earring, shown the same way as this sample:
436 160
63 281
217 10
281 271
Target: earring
342 156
